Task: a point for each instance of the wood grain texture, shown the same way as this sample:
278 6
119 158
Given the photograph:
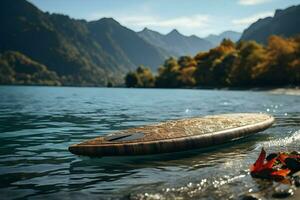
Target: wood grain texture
175 135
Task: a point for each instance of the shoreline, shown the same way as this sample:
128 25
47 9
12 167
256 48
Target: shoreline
292 90
286 91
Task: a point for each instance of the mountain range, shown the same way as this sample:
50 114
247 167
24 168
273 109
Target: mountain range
89 51
92 53
175 43
78 52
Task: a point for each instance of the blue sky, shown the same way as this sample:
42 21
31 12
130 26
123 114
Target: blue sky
199 17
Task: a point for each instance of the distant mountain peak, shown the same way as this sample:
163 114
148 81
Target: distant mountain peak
107 20
217 38
174 32
174 43
211 35
194 36
145 30
230 32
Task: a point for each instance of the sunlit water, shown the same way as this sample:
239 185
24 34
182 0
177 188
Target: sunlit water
37 124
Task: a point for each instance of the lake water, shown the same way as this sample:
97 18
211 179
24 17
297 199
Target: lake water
37 124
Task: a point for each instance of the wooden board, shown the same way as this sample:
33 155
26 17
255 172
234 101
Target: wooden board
175 135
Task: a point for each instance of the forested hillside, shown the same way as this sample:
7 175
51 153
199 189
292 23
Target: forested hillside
87 53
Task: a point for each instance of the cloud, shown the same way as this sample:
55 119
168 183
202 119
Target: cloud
252 2
194 21
253 18
187 24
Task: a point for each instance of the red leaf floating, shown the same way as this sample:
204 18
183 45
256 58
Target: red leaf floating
270 163
282 157
281 172
258 165
269 169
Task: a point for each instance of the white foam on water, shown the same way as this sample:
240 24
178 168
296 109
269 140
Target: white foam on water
281 142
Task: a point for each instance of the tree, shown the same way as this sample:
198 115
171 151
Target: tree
142 77
131 79
247 64
169 74
277 69
145 77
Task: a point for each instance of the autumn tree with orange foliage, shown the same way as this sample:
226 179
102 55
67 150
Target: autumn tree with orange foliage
245 64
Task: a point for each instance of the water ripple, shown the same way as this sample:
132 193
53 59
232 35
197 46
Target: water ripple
37 124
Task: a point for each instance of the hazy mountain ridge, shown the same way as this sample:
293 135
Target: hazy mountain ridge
285 23
217 39
174 43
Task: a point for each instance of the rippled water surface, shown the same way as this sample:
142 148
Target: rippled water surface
37 124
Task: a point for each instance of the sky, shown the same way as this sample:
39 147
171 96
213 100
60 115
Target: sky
190 17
